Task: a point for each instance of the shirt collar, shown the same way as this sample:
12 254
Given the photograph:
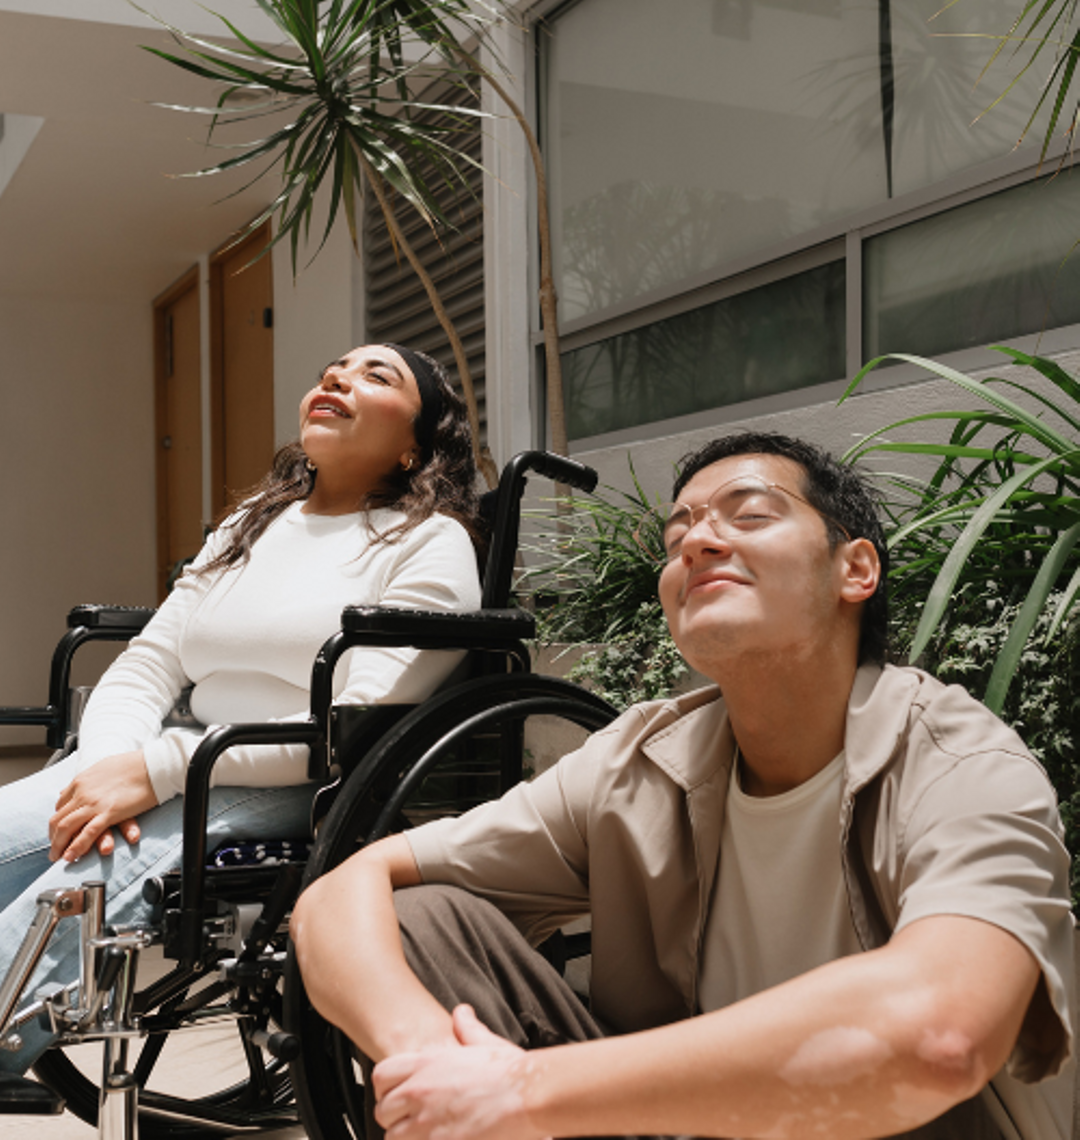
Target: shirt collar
693 740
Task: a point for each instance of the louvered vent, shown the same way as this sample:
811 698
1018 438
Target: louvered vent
397 305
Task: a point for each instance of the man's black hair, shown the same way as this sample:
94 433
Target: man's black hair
836 490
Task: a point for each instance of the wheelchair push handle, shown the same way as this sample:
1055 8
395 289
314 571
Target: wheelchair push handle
499 574
559 469
550 466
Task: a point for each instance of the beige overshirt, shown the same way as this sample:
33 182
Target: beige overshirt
944 811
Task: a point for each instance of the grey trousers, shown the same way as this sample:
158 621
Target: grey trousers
463 949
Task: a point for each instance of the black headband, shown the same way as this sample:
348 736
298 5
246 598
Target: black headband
431 400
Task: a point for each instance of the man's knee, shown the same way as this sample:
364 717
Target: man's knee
430 900
445 915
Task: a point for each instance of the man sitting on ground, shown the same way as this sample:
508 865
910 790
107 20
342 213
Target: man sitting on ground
832 901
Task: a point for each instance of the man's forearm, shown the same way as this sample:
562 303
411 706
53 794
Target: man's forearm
346 934
863 1047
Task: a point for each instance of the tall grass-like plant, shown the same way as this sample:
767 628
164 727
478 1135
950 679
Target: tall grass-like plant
1001 507
592 583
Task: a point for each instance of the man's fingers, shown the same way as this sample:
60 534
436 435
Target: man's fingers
387 1115
106 844
393 1105
470 1030
390 1073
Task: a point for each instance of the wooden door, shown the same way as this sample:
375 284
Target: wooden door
242 371
178 425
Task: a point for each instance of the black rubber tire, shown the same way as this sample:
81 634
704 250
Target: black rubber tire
328 1095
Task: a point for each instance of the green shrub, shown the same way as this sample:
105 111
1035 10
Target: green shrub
643 665
593 585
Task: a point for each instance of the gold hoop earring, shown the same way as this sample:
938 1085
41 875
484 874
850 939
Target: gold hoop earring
411 464
310 466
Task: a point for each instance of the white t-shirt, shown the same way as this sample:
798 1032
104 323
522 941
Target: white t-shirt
247 639
779 907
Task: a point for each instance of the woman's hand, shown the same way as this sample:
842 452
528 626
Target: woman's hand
110 793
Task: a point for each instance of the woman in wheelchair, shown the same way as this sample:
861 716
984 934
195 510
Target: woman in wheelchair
376 503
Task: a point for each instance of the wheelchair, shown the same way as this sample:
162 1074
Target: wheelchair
222 930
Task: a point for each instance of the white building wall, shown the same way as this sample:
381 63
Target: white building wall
77 512
314 317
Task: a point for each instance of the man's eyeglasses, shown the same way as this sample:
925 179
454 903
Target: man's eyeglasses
736 510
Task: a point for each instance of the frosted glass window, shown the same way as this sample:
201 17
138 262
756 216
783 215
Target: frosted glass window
979 273
684 134
786 335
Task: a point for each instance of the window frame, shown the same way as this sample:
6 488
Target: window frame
843 237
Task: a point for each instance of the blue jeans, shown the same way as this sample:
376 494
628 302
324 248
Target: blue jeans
25 870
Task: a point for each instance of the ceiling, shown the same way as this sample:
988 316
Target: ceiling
95 208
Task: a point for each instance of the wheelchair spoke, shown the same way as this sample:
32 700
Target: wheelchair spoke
350 1088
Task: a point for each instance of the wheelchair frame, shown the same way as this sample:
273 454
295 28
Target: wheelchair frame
381 755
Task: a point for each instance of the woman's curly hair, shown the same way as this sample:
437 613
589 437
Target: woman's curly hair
444 482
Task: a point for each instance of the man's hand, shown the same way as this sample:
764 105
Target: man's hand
472 1090
111 793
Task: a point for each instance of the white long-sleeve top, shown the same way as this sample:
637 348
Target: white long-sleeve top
246 638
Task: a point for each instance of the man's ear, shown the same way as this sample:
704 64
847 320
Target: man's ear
861 571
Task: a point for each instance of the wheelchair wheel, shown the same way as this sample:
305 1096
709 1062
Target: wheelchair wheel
246 1090
432 762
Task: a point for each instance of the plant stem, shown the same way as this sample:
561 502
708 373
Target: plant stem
483 457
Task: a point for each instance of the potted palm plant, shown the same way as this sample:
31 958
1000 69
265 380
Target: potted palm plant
338 95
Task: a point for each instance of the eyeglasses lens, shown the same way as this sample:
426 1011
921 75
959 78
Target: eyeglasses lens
735 509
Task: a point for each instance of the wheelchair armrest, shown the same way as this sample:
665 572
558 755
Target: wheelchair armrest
85 623
196 805
126 619
42 715
495 630
437 629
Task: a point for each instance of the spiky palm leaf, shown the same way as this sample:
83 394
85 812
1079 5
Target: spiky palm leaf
341 79
1042 24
